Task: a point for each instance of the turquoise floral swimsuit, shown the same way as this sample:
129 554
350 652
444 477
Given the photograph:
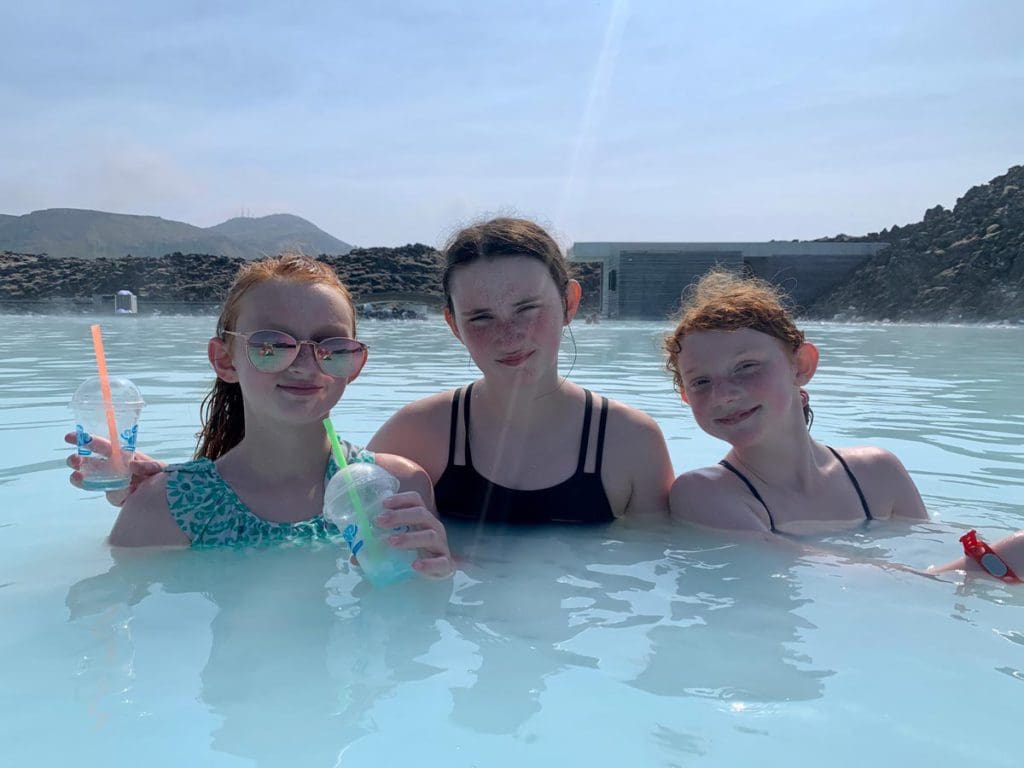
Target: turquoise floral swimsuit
210 513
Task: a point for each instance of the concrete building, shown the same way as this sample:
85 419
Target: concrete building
645 280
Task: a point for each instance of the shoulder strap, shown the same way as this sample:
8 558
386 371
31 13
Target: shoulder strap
856 485
585 438
602 423
753 490
469 454
454 427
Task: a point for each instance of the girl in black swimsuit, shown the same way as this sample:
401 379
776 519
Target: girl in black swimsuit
522 444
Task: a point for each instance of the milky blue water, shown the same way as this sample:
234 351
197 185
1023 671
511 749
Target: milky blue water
620 646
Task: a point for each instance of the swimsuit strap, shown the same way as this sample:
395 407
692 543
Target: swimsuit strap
454 428
753 490
600 435
469 455
856 485
585 438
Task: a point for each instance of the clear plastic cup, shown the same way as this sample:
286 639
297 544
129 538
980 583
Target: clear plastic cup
98 472
352 501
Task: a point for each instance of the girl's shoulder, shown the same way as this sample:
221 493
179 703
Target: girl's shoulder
885 482
419 431
872 465
636 464
710 498
145 518
425 411
627 414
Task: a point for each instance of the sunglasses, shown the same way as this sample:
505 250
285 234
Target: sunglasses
274 351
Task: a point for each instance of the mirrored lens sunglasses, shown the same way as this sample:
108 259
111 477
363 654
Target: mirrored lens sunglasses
274 351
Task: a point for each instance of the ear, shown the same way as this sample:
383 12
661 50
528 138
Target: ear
220 358
573 295
806 362
450 319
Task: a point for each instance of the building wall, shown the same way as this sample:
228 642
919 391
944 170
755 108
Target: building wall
650 282
645 280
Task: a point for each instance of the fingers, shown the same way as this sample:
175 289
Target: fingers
141 466
425 533
97 444
428 540
435 567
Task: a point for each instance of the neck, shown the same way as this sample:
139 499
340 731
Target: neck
279 454
787 460
525 405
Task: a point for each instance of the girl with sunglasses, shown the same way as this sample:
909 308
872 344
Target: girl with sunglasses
522 444
284 352
740 363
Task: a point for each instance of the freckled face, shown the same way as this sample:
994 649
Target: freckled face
509 314
738 383
301 392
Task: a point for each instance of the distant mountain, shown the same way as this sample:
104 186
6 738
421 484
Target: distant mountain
281 232
965 264
72 232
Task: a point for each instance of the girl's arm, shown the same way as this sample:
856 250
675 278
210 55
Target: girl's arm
1009 549
145 520
635 454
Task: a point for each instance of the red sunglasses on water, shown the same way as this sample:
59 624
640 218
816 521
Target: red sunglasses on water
274 351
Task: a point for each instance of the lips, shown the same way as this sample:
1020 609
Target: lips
517 358
300 389
737 416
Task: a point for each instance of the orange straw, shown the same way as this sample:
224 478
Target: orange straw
108 399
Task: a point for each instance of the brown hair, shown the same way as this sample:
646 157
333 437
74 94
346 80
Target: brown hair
727 301
222 413
501 237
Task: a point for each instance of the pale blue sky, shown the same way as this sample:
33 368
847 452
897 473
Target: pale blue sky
394 122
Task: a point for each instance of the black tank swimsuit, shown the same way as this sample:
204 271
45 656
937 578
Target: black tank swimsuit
463 493
771 520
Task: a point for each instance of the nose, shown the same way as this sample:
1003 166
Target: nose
724 388
510 331
306 356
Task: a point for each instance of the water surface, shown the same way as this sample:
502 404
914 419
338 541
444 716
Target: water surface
624 645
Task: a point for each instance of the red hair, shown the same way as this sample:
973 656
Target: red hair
727 301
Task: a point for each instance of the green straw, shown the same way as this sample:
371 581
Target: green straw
332 435
339 459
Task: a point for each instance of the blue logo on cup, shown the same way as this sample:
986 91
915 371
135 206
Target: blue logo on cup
128 438
82 439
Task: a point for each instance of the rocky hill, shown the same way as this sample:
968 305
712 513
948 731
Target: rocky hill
280 232
72 232
30 279
964 264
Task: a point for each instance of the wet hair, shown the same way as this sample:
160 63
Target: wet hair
222 412
499 238
723 300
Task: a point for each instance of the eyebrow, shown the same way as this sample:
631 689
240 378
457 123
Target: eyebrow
742 353
324 332
521 302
